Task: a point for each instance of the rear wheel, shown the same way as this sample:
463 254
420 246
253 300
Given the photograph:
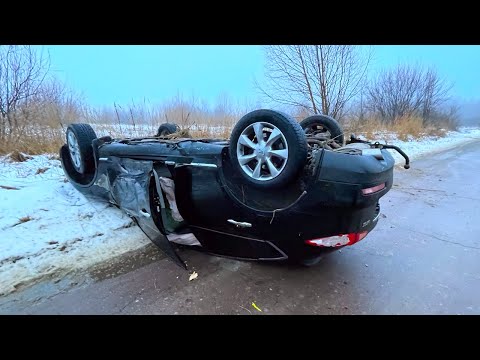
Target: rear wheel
268 148
324 128
79 142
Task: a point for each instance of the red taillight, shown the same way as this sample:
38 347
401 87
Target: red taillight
331 241
360 236
372 190
338 240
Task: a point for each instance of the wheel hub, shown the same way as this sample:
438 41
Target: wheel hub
262 151
74 150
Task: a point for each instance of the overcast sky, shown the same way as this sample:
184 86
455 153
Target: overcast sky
105 74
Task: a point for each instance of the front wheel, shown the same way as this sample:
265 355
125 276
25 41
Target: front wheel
79 142
167 129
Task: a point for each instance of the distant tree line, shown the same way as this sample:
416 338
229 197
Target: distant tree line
332 80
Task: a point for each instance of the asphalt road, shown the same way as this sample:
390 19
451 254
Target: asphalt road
422 258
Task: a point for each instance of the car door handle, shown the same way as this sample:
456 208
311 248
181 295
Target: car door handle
239 223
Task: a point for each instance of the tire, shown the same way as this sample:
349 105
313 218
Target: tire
277 167
324 122
79 142
167 129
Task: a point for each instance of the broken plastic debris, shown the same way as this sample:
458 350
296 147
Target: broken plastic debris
256 307
193 276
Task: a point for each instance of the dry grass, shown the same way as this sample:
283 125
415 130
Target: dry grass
38 123
17 156
405 128
41 170
195 118
408 126
32 145
49 140
217 132
47 133
182 133
22 220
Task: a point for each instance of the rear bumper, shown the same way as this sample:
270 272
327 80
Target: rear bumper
342 177
335 204
327 222
308 251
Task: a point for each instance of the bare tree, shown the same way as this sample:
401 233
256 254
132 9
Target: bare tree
317 78
22 73
406 90
436 94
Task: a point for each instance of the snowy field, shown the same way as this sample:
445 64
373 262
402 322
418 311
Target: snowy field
49 229
140 130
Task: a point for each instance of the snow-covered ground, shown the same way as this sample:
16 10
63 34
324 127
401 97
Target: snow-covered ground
62 230
49 228
416 148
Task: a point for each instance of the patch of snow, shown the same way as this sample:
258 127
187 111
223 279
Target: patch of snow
416 148
116 130
66 231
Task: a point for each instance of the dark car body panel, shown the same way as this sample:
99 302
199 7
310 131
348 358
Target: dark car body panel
326 200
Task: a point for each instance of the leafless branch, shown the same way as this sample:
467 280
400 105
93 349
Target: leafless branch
22 74
407 90
317 78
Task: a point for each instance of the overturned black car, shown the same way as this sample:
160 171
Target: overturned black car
277 190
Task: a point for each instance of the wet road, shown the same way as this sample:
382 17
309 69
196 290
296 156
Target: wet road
422 258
